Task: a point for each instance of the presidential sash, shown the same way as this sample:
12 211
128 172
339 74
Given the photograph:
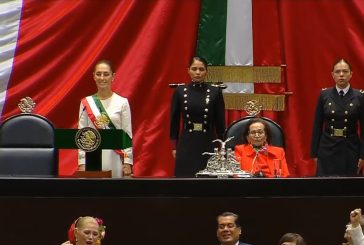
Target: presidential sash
101 120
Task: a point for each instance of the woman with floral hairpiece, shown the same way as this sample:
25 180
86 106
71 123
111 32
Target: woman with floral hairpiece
86 231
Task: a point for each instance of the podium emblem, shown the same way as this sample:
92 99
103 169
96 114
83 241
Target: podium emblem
88 139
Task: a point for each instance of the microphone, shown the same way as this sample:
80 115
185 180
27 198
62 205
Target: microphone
81 114
255 165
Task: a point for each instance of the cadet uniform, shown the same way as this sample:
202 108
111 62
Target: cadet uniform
202 109
335 140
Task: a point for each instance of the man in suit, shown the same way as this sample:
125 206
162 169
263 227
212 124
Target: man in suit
229 229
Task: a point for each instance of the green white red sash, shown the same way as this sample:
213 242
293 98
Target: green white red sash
94 109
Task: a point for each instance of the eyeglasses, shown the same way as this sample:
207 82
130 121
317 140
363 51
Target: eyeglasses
259 132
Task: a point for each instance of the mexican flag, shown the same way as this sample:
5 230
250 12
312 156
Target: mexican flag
10 12
225 36
229 35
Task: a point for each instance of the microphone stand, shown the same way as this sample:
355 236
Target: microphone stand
258 174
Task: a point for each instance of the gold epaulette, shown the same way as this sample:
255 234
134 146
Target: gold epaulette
175 85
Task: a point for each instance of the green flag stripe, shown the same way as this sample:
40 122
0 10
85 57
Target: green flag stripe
212 31
126 141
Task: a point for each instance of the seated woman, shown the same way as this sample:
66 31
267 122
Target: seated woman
258 157
86 231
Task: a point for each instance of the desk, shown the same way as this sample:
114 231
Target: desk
159 211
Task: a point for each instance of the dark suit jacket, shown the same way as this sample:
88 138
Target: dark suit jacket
241 243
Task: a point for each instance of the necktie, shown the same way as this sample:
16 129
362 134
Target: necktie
341 93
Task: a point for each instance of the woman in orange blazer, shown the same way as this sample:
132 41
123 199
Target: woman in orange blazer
258 157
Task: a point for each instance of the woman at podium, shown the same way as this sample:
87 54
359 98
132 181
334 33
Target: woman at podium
108 110
202 110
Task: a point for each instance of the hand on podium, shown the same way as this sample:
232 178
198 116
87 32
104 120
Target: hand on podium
81 167
127 170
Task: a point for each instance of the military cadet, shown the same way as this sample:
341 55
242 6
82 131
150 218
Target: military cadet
202 110
336 146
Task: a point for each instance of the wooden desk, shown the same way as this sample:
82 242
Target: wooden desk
179 211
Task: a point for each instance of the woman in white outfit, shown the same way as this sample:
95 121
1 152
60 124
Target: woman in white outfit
107 103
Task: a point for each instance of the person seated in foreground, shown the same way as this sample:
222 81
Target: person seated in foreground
86 230
257 156
354 230
229 229
291 239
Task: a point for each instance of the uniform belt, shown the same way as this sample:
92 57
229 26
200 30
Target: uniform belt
338 132
197 127
341 132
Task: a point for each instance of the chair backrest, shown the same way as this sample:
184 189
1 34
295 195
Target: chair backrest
27 147
238 127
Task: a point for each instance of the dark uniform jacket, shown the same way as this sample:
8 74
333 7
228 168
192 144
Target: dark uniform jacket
202 109
335 140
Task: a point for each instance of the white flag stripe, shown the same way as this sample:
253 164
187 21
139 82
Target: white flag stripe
239 40
239 34
10 11
244 88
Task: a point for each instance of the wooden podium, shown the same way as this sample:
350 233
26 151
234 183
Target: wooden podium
110 139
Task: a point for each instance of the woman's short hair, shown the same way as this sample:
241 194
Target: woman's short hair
267 130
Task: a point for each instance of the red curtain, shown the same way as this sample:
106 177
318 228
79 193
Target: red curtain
310 36
151 42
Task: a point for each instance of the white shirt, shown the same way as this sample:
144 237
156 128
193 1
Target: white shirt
345 90
356 234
